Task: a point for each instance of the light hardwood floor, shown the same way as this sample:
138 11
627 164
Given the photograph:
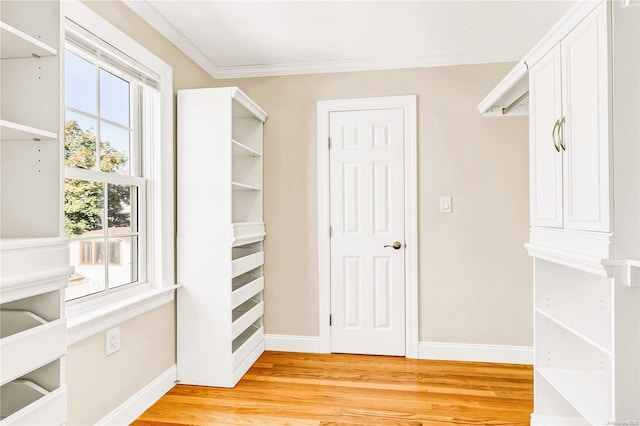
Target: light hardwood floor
354 390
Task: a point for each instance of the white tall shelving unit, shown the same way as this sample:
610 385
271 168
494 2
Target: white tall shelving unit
220 234
34 259
584 105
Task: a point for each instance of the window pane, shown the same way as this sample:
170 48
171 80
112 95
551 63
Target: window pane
83 208
79 83
123 255
122 202
114 149
87 258
79 141
86 252
114 98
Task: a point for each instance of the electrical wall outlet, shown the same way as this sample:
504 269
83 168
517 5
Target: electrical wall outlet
113 340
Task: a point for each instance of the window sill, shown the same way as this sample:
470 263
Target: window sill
94 316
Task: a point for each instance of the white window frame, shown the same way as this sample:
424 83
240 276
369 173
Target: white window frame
88 317
136 177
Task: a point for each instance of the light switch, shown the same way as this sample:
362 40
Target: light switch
445 204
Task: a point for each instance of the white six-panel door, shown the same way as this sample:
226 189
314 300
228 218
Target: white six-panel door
367 214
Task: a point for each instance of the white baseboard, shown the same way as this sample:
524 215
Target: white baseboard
132 408
476 352
291 343
427 350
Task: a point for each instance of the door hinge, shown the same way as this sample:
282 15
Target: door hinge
329 143
330 231
330 320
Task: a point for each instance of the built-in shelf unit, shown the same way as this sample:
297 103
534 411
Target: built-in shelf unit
34 259
33 330
583 83
220 235
30 124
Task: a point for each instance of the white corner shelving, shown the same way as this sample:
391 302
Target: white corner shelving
220 234
33 329
34 259
30 119
584 88
584 213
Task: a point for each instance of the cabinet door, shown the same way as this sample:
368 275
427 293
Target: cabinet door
585 130
545 159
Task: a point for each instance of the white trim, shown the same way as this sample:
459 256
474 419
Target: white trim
151 16
132 408
99 314
476 352
291 343
245 71
409 105
592 264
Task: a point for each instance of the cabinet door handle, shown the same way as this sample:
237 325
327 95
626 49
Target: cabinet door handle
561 133
553 135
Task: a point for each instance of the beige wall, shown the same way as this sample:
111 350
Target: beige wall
98 384
475 276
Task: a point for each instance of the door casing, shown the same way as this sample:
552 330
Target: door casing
408 104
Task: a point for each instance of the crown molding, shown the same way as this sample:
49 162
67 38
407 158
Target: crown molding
149 14
364 65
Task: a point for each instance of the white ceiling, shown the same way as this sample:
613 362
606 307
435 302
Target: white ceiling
258 38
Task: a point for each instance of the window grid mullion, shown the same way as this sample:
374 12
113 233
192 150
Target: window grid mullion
95 117
105 238
98 125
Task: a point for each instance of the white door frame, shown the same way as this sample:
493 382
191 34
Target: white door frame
409 105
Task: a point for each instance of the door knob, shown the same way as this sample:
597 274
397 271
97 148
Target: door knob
396 245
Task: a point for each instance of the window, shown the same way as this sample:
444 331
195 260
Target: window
119 166
104 188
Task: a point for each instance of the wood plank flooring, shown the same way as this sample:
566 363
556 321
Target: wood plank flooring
285 388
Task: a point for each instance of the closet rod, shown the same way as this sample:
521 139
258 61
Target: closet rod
513 104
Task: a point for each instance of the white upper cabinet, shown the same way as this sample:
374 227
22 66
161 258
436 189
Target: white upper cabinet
569 134
583 129
544 151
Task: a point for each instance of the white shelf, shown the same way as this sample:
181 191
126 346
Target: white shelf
241 150
245 342
50 409
245 287
10 131
16 44
245 315
588 392
246 263
17 395
16 321
31 348
236 186
590 325
247 232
